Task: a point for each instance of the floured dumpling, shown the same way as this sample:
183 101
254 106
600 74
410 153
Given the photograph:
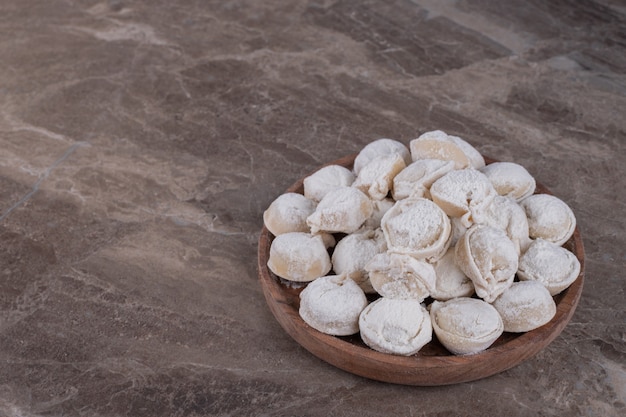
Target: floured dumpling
489 258
395 326
549 218
380 147
376 178
417 227
416 178
343 210
465 193
380 208
465 325
476 159
525 306
505 214
439 145
326 179
401 276
288 213
552 265
300 257
450 280
332 305
510 179
354 251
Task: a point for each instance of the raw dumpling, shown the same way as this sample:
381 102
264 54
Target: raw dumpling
380 147
465 193
450 280
376 178
342 210
552 265
332 305
525 306
380 208
510 179
354 251
465 325
417 227
489 258
300 257
439 145
476 159
326 179
401 276
505 214
549 218
288 213
416 178
400 327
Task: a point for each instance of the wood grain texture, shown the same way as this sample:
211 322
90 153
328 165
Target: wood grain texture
433 365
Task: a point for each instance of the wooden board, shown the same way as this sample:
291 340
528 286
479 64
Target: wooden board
433 364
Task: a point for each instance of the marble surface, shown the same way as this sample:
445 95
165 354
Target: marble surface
140 142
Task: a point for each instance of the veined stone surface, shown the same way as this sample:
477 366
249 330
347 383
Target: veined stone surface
140 142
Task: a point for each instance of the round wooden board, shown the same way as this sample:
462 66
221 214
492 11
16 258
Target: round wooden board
433 364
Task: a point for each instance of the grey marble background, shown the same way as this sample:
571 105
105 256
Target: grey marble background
140 142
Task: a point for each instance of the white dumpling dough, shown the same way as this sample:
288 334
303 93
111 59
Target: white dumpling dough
549 218
465 193
326 179
332 304
299 257
342 210
395 326
376 178
552 265
416 178
380 147
393 275
458 230
465 325
525 306
450 281
505 214
439 145
417 227
288 213
510 179
475 158
380 208
354 251
489 258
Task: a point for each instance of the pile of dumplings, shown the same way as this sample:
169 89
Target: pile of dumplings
445 246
